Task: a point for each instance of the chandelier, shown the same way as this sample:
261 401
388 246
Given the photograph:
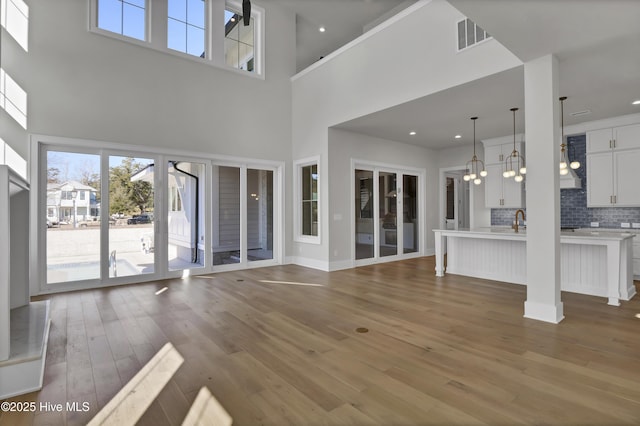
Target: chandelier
475 167
564 154
514 165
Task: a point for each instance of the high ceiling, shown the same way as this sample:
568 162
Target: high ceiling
343 20
597 43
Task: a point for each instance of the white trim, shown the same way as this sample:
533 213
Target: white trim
297 201
154 42
307 262
401 15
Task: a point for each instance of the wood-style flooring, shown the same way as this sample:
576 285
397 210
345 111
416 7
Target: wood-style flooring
451 350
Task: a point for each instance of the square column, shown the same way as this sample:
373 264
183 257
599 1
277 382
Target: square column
542 127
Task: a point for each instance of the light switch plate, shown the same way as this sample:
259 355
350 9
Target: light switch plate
635 225
625 225
595 224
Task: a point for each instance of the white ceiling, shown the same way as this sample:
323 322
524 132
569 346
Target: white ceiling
597 43
343 20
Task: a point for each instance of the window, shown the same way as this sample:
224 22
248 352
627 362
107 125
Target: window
82 195
307 204
13 99
186 28
125 17
469 34
239 41
191 29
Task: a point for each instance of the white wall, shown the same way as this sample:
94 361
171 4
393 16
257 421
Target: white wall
413 57
89 86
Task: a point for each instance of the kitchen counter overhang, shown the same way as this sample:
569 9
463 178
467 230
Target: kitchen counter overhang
593 263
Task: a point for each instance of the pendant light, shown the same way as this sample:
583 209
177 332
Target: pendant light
514 165
564 155
475 167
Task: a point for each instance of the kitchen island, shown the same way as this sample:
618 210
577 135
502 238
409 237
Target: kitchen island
591 262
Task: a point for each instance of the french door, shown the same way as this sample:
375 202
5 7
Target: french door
386 214
109 216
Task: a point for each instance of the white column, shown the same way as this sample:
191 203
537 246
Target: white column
543 191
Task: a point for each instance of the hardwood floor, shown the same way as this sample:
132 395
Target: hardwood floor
452 350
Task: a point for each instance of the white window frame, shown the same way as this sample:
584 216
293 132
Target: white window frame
156 23
298 165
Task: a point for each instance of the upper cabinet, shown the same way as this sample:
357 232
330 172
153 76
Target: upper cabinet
500 192
625 137
613 156
497 153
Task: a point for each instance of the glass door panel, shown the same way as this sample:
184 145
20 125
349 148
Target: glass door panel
259 214
226 215
410 213
364 202
131 202
185 225
72 216
388 208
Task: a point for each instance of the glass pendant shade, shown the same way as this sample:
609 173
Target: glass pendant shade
475 167
564 147
514 164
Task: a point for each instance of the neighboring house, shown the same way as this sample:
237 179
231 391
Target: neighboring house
60 202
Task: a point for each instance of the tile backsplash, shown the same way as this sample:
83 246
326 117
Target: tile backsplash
573 202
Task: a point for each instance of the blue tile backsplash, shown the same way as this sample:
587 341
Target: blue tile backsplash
573 202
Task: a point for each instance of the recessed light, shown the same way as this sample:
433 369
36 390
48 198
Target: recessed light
322 29
636 102
412 133
233 19
457 136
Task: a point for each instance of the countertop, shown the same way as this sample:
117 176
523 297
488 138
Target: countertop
506 233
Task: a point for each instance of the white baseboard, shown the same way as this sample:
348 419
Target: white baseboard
309 263
340 265
544 312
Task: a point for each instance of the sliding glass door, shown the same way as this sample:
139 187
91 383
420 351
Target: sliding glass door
386 214
131 215
185 215
118 216
72 216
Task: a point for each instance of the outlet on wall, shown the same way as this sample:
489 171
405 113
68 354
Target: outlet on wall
595 224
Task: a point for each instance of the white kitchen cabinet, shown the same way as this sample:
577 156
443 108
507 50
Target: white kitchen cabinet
624 137
613 156
498 153
500 192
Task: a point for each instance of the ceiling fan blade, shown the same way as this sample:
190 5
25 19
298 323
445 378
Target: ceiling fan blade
246 12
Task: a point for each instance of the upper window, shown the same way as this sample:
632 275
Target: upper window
125 17
239 41
469 34
307 204
186 26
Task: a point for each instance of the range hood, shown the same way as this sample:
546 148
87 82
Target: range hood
570 180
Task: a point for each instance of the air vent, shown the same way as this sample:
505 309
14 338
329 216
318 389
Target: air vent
470 34
579 113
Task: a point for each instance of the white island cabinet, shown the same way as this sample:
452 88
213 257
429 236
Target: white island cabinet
593 263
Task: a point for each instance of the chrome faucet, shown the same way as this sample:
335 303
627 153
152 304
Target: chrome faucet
515 225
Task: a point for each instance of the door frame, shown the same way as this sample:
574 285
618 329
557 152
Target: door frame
400 171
